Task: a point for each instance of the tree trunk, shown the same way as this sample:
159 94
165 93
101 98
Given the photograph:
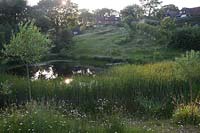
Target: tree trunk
150 12
28 81
191 92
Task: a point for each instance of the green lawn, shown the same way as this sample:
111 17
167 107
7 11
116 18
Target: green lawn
110 43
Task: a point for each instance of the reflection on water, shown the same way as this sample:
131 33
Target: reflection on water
68 80
51 73
45 74
83 72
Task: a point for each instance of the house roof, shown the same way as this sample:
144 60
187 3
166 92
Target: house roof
172 13
192 11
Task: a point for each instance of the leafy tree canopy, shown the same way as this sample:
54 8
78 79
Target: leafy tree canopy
13 11
132 11
60 13
28 45
151 6
85 16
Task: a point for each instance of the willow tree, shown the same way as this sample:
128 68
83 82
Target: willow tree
28 45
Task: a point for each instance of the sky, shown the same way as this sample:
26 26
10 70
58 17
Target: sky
120 4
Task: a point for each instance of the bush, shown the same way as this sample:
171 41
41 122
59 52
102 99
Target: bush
187 114
186 38
150 30
188 69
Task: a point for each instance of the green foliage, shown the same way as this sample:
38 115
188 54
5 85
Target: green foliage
150 30
186 38
168 24
188 69
149 89
151 6
40 117
133 44
5 34
61 39
188 66
86 17
60 15
5 88
56 19
133 12
29 45
167 28
13 12
187 114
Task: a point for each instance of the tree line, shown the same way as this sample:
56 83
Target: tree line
58 18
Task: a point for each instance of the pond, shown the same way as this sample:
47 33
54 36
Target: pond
54 69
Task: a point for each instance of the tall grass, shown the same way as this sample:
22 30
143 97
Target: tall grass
148 89
40 118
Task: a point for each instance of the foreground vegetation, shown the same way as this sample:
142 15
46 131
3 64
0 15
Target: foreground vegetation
109 102
34 117
151 90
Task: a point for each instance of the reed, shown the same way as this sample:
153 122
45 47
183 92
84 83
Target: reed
149 89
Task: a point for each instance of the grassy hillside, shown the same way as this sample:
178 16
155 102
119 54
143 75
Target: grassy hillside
110 44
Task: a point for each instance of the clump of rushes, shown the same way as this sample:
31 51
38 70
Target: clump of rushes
187 114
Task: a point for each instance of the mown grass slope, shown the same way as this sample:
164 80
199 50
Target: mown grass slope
110 43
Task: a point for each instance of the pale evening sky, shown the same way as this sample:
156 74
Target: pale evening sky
120 4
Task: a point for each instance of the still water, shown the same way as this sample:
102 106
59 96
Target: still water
54 70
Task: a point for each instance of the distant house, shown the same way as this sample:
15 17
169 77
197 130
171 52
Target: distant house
171 14
190 12
104 20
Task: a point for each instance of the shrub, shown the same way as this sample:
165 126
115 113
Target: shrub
186 38
150 30
187 114
167 27
188 69
29 45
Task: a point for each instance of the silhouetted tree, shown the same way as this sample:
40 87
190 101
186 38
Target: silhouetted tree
56 17
132 12
167 9
151 6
